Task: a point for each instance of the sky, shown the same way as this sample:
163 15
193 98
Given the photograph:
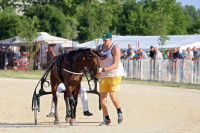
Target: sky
195 3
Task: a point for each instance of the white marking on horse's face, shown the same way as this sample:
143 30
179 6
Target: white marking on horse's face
83 58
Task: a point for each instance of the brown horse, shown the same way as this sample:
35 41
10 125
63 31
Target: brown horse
68 68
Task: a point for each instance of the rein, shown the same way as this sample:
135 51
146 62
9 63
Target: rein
72 72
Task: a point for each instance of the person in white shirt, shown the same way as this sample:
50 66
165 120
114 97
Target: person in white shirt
84 100
111 70
158 54
189 54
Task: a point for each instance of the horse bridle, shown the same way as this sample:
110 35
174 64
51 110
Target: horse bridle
89 71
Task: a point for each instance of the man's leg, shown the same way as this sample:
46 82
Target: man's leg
84 100
115 100
103 96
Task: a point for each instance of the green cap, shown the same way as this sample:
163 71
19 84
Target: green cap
106 35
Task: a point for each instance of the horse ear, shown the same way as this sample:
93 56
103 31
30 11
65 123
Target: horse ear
98 52
93 51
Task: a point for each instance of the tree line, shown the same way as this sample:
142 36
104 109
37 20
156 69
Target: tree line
85 20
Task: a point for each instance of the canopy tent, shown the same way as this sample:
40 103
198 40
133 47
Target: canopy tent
45 38
144 42
12 41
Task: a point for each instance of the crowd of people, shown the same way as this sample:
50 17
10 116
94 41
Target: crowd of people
155 53
7 58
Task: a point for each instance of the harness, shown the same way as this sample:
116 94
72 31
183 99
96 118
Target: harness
85 71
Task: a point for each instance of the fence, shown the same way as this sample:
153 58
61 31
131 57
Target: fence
181 71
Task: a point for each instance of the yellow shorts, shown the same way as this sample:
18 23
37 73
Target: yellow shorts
110 84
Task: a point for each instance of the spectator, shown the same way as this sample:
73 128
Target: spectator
132 54
157 54
135 55
166 56
123 54
170 53
129 51
50 55
22 55
176 53
196 53
10 56
152 51
179 53
189 54
142 54
3 56
184 53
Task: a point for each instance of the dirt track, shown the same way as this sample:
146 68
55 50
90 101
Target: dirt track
147 109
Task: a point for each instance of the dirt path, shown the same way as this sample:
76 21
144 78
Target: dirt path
147 109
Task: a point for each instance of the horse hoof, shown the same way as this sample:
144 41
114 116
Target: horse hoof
67 119
73 123
56 122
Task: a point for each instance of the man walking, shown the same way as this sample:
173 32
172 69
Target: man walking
111 70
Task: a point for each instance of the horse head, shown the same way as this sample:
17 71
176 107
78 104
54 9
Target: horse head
94 63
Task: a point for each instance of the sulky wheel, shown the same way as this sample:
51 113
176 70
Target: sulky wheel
35 108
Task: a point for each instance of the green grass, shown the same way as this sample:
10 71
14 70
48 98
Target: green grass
21 74
161 83
38 74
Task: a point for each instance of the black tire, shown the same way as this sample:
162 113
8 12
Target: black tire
35 108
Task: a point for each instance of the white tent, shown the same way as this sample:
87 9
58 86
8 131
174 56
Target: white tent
14 41
144 42
45 38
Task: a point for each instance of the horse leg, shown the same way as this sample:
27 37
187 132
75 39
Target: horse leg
75 102
72 106
67 108
54 86
76 92
56 111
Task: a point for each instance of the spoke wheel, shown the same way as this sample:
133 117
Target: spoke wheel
35 108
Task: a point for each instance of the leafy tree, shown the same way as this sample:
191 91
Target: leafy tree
67 6
181 22
191 12
8 3
129 17
116 10
162 41
159 16
9 23
94 19
28 28
52 20
29 31
195 28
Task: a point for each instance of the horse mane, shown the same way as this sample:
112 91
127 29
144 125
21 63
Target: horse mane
78 51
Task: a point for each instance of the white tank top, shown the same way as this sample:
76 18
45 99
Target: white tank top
107 61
